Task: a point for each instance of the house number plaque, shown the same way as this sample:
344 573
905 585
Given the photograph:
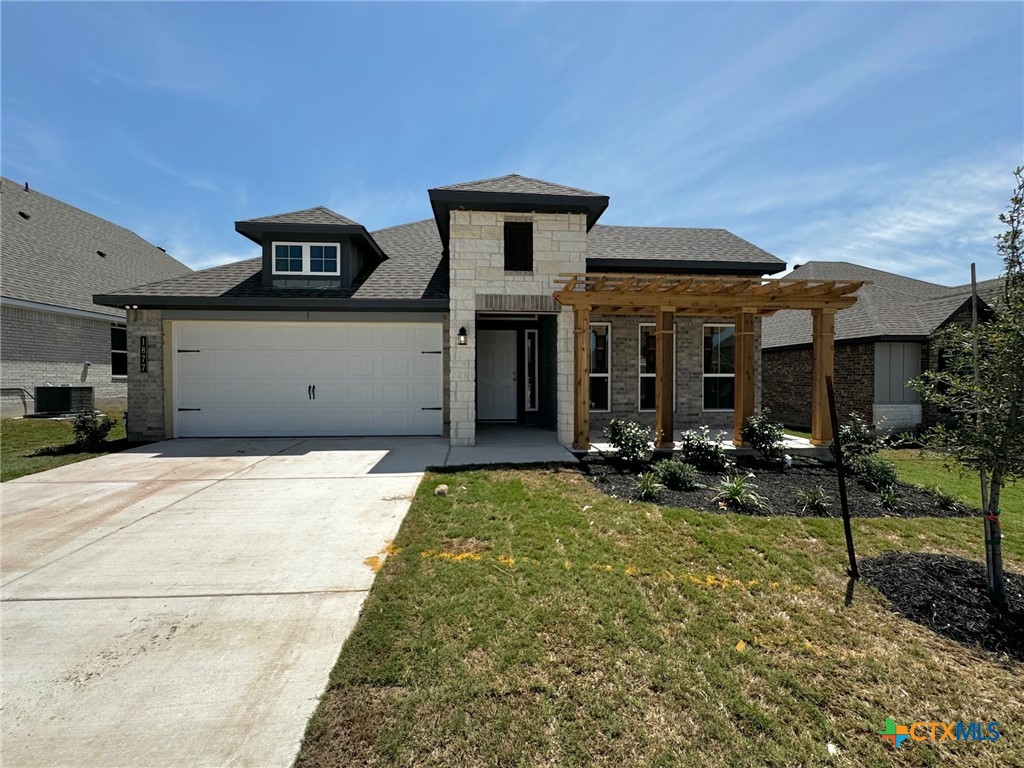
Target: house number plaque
143 354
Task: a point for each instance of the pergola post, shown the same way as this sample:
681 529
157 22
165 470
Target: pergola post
581 377
823 363
664 379
743 407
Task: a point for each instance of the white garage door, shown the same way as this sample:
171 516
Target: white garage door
263 379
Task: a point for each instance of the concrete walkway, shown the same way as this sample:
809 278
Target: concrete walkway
182 604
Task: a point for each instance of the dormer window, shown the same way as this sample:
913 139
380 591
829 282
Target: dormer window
306 259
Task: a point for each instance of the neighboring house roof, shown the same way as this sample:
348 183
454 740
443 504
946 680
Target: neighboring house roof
414 274
513 183
317 215
713 250
61 256
891 307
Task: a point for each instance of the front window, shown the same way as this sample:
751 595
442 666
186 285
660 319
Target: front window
648 365
305 259
719 367
118 351
518 246
600 366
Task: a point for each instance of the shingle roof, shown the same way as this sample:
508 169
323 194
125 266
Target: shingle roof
317 215
891 306
513 183
53 256
413 270
674 243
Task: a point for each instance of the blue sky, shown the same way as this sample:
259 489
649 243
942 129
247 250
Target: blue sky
872 132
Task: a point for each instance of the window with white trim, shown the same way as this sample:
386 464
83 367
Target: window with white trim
719 367
600 367
306 259
648 366
118 350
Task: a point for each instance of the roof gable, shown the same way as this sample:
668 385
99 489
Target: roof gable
317 215
513 183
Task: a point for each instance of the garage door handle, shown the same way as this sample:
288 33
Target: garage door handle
314 391
309 392
430 352
190 409
431 409
188 350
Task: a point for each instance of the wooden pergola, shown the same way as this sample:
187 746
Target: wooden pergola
666 297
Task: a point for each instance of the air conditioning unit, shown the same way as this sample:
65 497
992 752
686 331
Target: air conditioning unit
65 399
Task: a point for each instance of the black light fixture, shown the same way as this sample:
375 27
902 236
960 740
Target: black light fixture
463 336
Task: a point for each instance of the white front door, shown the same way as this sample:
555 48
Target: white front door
256 379
496 375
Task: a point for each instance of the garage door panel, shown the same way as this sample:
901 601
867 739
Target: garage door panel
253 379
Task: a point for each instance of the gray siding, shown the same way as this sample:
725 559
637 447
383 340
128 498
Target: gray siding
38 348
896 363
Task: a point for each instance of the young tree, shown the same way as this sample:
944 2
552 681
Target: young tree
982 386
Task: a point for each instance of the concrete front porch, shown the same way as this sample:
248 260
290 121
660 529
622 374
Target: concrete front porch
510 444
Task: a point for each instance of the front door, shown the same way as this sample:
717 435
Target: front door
496 375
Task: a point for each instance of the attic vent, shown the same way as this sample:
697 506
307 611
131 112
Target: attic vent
101 253
24 215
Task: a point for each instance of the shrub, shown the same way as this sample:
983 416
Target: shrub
739 493
697 448
946 501
875 472
814 500
630 440
858 439
677 475
647 486
889 500
91 429
766 437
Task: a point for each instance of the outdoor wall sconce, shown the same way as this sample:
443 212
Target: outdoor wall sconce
463 336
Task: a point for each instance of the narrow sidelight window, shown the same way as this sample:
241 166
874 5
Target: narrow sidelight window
600 367
518 246
719 367
531 367
118 351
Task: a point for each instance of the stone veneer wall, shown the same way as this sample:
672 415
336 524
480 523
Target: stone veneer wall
52 348
689 379
477 273
787 383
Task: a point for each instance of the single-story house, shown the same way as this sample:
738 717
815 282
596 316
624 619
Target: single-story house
882 342
55 257
512 304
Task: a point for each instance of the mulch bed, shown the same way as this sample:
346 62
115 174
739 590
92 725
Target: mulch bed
778 486
949 596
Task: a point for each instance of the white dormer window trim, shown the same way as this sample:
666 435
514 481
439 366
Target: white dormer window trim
310 256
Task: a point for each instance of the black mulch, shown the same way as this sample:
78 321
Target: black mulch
949 596
778 486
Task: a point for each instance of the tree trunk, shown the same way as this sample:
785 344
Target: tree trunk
994 545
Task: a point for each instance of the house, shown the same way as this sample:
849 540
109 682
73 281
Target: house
54 258
882 343
511 305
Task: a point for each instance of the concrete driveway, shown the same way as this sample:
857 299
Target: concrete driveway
182 604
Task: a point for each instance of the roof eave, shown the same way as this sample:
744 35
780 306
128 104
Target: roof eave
272 303
256 231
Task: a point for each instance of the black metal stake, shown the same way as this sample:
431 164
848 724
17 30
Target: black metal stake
837 449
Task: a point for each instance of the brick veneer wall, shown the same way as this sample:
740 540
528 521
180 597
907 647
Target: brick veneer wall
930 362
689 380
787 383
49 347
146 390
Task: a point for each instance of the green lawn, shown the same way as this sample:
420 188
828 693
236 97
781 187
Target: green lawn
527 619
33 445
928 469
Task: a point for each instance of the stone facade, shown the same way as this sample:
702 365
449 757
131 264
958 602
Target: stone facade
787 383
689 370
477 276
53 348
146 391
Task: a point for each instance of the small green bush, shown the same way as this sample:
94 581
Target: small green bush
814 500
875 472
647 486
91 429
739 493
630 440
946 501
889 500
696 447
677 475
766 437
858 439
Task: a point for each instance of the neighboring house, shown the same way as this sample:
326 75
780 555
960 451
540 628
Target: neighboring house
882 343
53 259
482 314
